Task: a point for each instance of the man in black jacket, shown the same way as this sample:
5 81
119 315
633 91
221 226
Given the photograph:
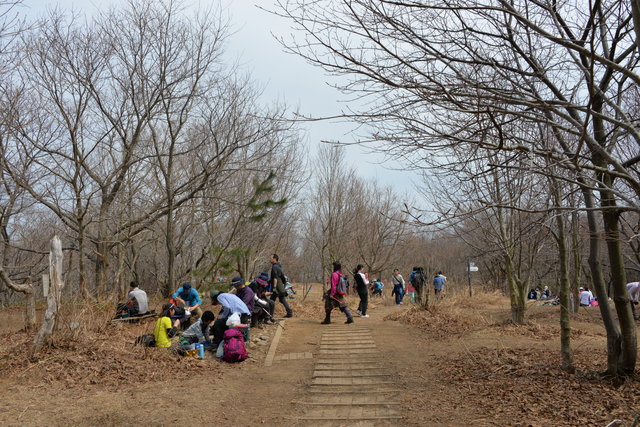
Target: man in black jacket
278 284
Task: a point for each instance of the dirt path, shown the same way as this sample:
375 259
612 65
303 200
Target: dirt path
458 365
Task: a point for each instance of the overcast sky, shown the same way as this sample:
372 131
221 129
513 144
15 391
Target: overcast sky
283 76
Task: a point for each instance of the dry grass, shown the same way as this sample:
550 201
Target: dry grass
88 350
453 315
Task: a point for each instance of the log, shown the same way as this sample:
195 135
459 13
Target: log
27 290
53 299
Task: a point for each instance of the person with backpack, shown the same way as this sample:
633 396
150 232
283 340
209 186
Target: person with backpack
362 288
334 297
231 304
398 286
278 282
418 281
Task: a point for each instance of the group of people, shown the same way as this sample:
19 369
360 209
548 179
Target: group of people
537 294
586 298
249 304
334 297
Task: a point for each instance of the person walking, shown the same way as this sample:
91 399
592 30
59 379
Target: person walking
363 290
334 297
278 283
398 286
438 283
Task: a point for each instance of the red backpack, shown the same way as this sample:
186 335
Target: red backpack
234 349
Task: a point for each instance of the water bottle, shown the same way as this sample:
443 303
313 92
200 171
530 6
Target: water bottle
200 349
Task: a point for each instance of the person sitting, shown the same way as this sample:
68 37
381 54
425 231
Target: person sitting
532 294
199 331
164 329
190 298
263 306
633 291
231 304
136 305
546 294
585 297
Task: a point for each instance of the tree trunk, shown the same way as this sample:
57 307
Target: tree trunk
628 341
82 275
597 279
565 316
53 300
577 261
171 249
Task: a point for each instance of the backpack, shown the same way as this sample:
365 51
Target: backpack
233 348
343 285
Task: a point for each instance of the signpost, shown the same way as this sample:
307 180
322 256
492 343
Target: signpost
471 266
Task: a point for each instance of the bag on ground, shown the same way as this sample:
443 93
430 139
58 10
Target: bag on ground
147 340
234 349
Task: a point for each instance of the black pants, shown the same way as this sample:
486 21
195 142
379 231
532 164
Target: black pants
364 300
218 328
283 300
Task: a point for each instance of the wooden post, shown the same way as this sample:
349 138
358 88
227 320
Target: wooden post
53 299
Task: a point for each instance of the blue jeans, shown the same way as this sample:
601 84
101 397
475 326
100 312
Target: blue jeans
399 294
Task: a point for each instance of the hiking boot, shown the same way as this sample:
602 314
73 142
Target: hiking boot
268 322
359 312
325 322
364 315
349 320
288 315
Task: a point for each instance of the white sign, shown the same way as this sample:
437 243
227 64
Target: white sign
45 285
473 268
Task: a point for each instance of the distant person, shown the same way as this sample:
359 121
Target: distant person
633 290
334 297
165 329
585 297
362 288
438 283
398 286
137 304
546 294
418 281
278 283
190 298
532 294
376 288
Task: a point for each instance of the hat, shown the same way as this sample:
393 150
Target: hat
261 281
264 276
581 288
186 286
214 294
237 281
